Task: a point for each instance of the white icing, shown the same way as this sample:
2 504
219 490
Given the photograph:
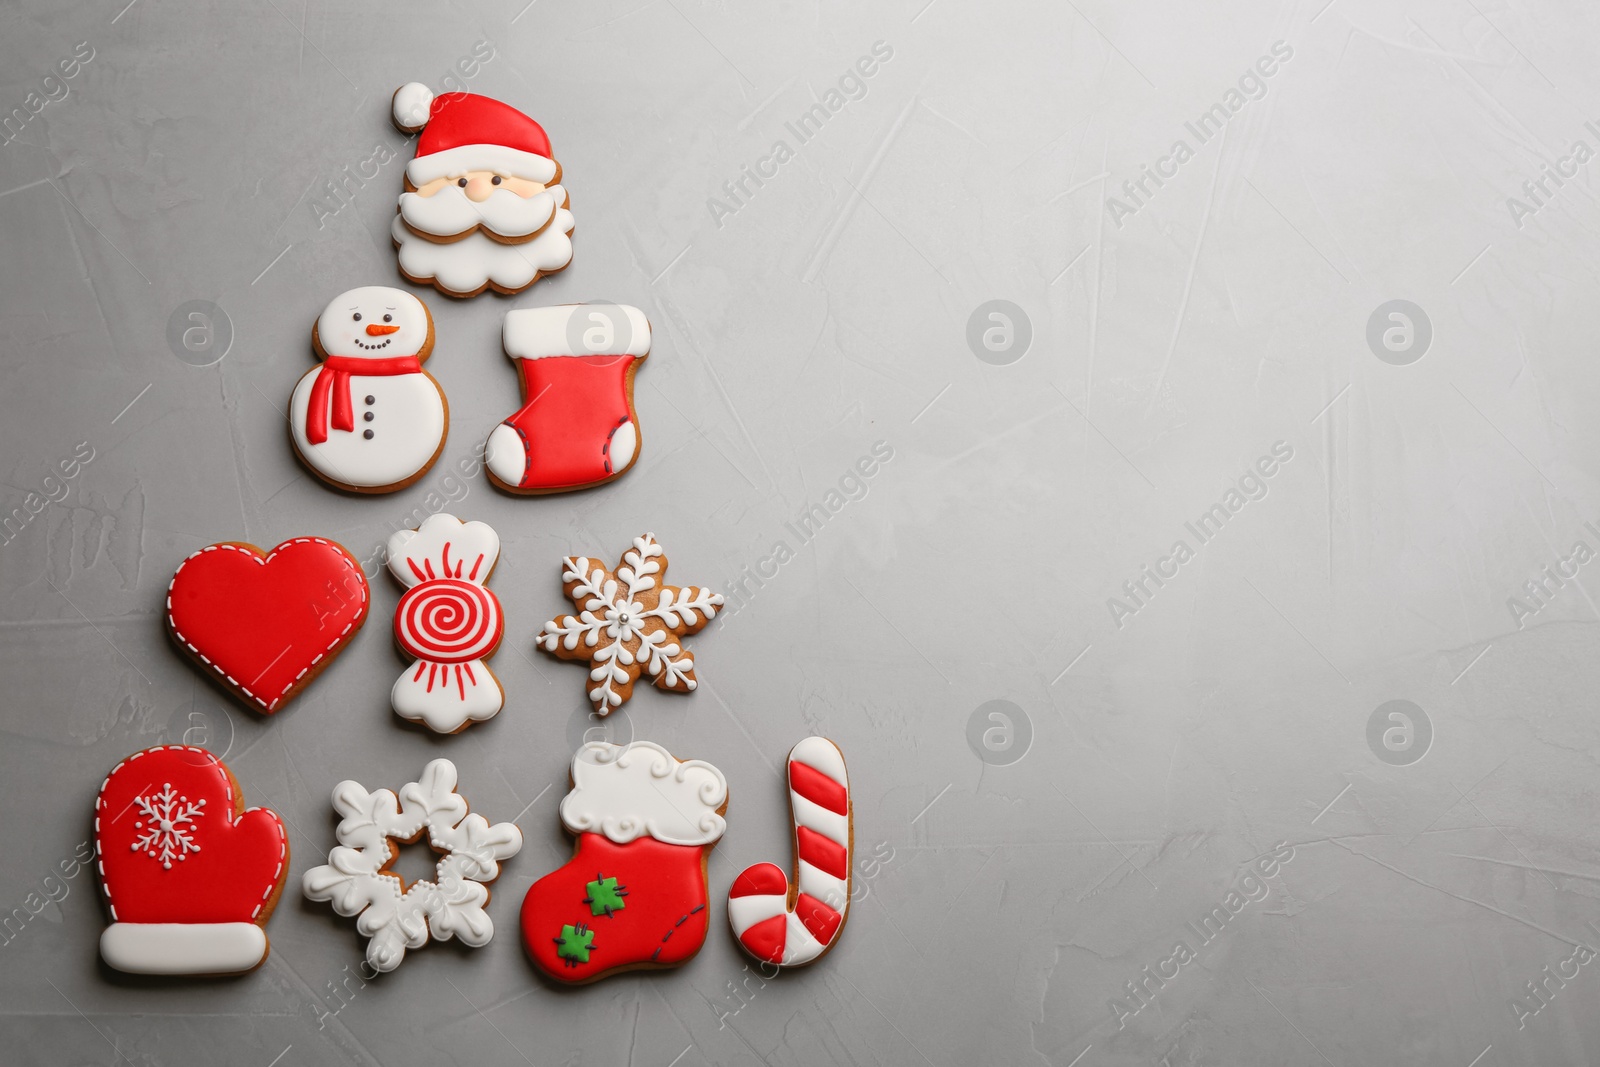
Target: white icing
630 791
342 334
624 443
411 106
822 754
829 824
407 429
450 211
834 892
451 904
467 265
504 455
183 948
612 619
502 159
446 691
529 333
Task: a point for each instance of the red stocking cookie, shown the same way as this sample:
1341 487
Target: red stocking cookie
629 623
264 624
368 418
794 925
189 873
483 206
447 622
577 427
634 894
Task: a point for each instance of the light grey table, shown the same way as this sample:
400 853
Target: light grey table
1071 876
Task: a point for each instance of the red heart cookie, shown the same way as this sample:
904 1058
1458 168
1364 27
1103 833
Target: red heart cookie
266 624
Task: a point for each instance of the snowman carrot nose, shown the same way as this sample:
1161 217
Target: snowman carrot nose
374 330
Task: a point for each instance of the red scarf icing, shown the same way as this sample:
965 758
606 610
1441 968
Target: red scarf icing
331 390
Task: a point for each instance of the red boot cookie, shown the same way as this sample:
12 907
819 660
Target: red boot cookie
189 873
577 426
634 894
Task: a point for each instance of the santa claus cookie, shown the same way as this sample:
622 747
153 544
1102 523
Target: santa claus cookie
790 924
190 874
264 624
634 895
483 206
577 426
448 622
398 917
369 419
629 622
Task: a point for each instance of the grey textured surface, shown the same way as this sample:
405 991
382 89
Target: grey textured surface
1149 753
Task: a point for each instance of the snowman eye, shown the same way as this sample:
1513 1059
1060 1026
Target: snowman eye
388 318
356 317
495 180
462 182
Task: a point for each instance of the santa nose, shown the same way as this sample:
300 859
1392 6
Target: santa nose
374 330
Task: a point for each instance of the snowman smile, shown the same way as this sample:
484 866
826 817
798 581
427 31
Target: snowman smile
374 348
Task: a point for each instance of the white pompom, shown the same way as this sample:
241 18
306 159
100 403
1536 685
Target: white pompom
411 103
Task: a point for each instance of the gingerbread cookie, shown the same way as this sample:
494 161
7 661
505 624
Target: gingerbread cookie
629 623
369 419
263 625
634 895
577 426
448 622
190 874
395 916
483 205
795 924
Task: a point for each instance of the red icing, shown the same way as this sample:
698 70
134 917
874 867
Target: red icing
761 880
241 861
823 854
765 939
818 788
821 920
262 622
330 393
473 119
664 883
574 404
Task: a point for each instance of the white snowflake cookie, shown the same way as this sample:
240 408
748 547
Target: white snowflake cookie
396 917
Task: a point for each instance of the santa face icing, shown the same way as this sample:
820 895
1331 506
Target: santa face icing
483 207
189 873
447 622
577 427
634 895
369 418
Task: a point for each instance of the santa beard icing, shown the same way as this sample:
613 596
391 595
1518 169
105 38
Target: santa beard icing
465 266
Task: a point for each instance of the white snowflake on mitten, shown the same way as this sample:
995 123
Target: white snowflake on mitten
356 879
629 623
167 830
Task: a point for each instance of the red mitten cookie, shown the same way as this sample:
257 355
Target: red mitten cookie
190 875
263 625
791 925
634 894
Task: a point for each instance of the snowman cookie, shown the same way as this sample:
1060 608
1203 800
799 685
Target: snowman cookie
633 896
368 418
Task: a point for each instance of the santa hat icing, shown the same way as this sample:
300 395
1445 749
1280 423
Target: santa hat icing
188 872
640 790
463 131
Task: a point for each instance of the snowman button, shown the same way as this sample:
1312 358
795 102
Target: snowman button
367 416
367 434
371 400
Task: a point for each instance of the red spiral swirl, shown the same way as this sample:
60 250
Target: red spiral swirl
446 620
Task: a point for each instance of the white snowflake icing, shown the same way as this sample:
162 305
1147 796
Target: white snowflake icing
167 829
625 624
451 904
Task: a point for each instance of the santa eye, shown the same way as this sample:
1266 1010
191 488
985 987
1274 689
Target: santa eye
356 317
461 182
495 180
388 318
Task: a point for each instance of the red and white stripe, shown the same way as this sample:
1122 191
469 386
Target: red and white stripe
768 926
